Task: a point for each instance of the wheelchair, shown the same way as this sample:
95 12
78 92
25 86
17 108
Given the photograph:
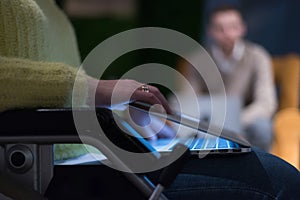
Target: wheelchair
27 169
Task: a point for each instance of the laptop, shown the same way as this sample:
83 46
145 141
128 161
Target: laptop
205 138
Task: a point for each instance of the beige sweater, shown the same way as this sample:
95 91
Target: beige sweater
38 59
251 80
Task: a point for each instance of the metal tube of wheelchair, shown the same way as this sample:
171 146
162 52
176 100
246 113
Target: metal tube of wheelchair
143 184
157 192
169 174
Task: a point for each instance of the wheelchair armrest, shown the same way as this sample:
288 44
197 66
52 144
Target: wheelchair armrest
52 126
36 126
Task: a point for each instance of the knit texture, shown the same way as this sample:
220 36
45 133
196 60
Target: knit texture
25 83
38 60
37 30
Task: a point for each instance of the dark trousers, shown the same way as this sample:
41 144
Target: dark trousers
255 175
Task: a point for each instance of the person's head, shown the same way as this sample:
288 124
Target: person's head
226 26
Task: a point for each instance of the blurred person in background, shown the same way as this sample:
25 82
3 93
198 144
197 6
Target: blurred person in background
246 71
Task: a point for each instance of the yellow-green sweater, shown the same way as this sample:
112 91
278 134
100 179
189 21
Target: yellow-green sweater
38 60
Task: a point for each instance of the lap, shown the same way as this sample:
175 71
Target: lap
256 175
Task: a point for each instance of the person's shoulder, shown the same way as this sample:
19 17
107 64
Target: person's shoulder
256 49
18 9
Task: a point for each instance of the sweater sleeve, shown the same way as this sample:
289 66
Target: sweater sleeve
264 101
25 83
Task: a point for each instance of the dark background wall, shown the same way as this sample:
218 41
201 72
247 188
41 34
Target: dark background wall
272 23
179 15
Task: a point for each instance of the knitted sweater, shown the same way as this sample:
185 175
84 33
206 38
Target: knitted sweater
38 59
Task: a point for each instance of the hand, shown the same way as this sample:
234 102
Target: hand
123 91
148 126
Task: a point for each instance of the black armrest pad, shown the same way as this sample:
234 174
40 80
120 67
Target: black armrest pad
36 122
51 124
57 126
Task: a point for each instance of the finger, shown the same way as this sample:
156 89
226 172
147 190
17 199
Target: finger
161 128
146 97
161 98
